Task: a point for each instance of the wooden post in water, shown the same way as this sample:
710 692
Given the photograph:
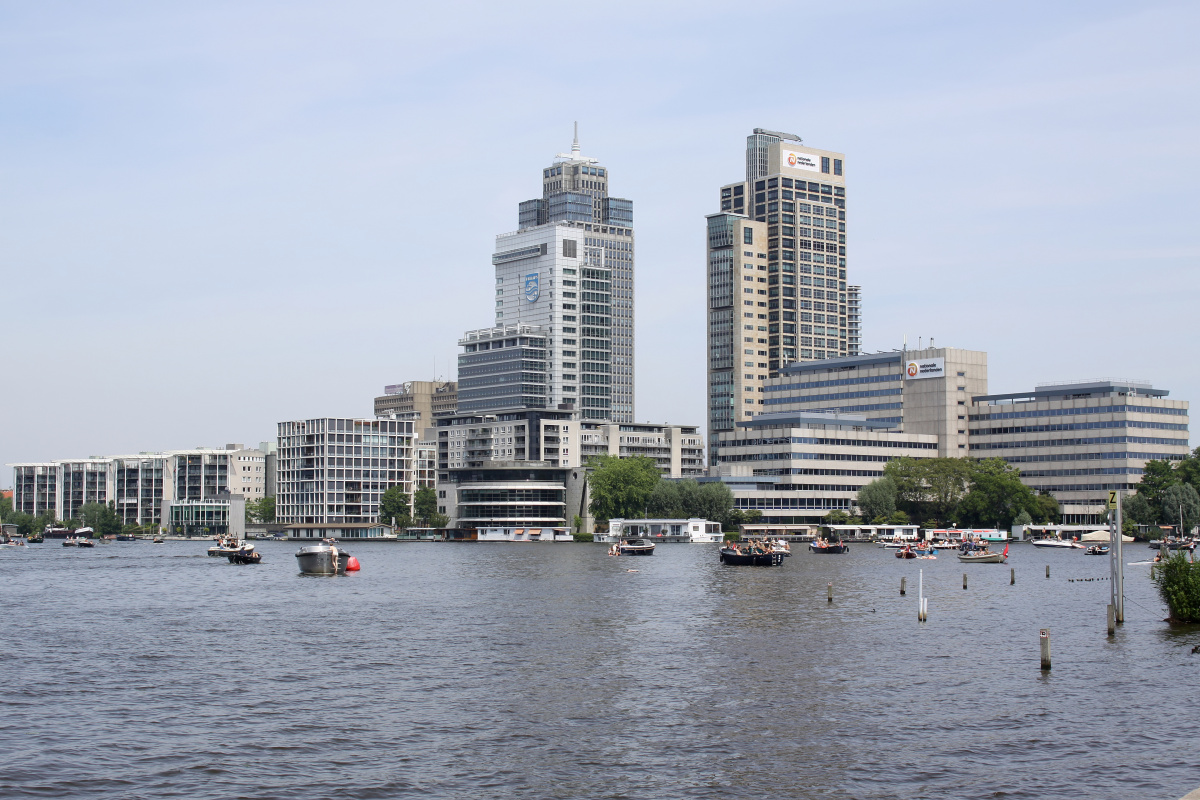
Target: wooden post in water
1012 576
1047 570
964 581
1045 637
902 582
830 593
1112 619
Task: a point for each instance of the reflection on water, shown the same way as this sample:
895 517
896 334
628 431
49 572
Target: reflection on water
459 670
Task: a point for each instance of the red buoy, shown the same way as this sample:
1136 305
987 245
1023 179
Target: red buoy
352 565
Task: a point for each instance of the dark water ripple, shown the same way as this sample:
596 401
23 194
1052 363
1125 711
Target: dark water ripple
489 671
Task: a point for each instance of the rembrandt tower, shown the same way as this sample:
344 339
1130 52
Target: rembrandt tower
776 273
568 270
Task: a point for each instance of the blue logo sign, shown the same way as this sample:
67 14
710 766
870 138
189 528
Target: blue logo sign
532 292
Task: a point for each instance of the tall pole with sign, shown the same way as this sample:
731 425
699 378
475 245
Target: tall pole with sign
1116 560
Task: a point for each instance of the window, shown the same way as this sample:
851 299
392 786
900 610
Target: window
825 164
747 236
837 166
569 249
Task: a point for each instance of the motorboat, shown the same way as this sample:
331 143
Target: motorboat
906 553
8 541
636 547
228 546
1065 544
1096 550
245 555
86 543
828 548
70 542
751 556
325 558
983 556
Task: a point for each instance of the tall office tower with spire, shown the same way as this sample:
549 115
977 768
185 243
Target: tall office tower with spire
776 274
568 269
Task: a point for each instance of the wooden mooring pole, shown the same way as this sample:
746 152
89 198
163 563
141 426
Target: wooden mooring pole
964 581
1045 637
1012 576
903 581
830 588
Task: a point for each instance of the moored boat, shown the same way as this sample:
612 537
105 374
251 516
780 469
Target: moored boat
1065 544
1096 550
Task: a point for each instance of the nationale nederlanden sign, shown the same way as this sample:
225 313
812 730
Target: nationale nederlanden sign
925 368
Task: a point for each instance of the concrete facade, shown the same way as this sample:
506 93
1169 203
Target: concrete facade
677 449
1077 441
776 272
427 399
508 494
797 467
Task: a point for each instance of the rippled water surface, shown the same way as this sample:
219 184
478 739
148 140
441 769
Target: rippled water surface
136 670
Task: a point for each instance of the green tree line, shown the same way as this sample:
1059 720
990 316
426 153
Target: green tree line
955 492
1165 493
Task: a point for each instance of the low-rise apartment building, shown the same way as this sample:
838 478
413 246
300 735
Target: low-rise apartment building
678 450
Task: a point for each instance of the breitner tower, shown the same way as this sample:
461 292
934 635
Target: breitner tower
776 273
568 269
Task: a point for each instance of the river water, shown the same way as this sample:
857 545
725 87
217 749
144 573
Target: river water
446 670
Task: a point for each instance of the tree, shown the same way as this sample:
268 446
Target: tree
897 518
666 501
1138 510
714 501
1178 582
1188 470
1023 518
262 510
621 487
6 508
877 498
1157 477
836 517
997 495
1046 509
394 504
1181 500
101 518
425 506
930 487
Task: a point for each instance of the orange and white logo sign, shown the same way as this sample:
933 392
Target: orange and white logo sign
800 160
913 369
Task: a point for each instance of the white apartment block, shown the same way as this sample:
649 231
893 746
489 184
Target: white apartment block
678 450
333 470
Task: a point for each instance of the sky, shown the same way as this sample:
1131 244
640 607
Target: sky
222 215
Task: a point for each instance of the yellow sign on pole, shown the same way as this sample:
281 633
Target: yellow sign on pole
1112 499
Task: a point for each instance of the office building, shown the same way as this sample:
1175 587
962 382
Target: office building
854 319
1077 441
513 495
796 467
504 368
470 441
333 470
776 268
926 391
569 269
427 399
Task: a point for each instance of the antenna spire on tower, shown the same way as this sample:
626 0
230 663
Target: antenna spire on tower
575 143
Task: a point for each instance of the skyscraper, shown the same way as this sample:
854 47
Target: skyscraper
569 269
776 273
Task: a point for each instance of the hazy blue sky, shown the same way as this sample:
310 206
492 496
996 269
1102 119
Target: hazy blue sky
223 215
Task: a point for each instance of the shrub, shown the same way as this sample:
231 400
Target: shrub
583 537
1178 583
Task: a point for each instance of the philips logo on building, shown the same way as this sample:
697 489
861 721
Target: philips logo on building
925 368
800 160
532 292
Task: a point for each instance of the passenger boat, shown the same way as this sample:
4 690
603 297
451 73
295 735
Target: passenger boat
983 556
752 556
35 538
325 558
8 541
636 547
907 552
828 548
1096 550
86 543
70 542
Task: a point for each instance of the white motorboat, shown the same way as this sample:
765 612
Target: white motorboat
227 547
1065 544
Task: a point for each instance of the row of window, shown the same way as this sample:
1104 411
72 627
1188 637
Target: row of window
1079 426
1063 412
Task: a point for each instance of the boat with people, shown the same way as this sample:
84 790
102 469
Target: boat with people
9 541
750 554
635 547
822 545
227 546
1096 550
325 558
246 555
85 543
1174 544
1065 544
983 556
